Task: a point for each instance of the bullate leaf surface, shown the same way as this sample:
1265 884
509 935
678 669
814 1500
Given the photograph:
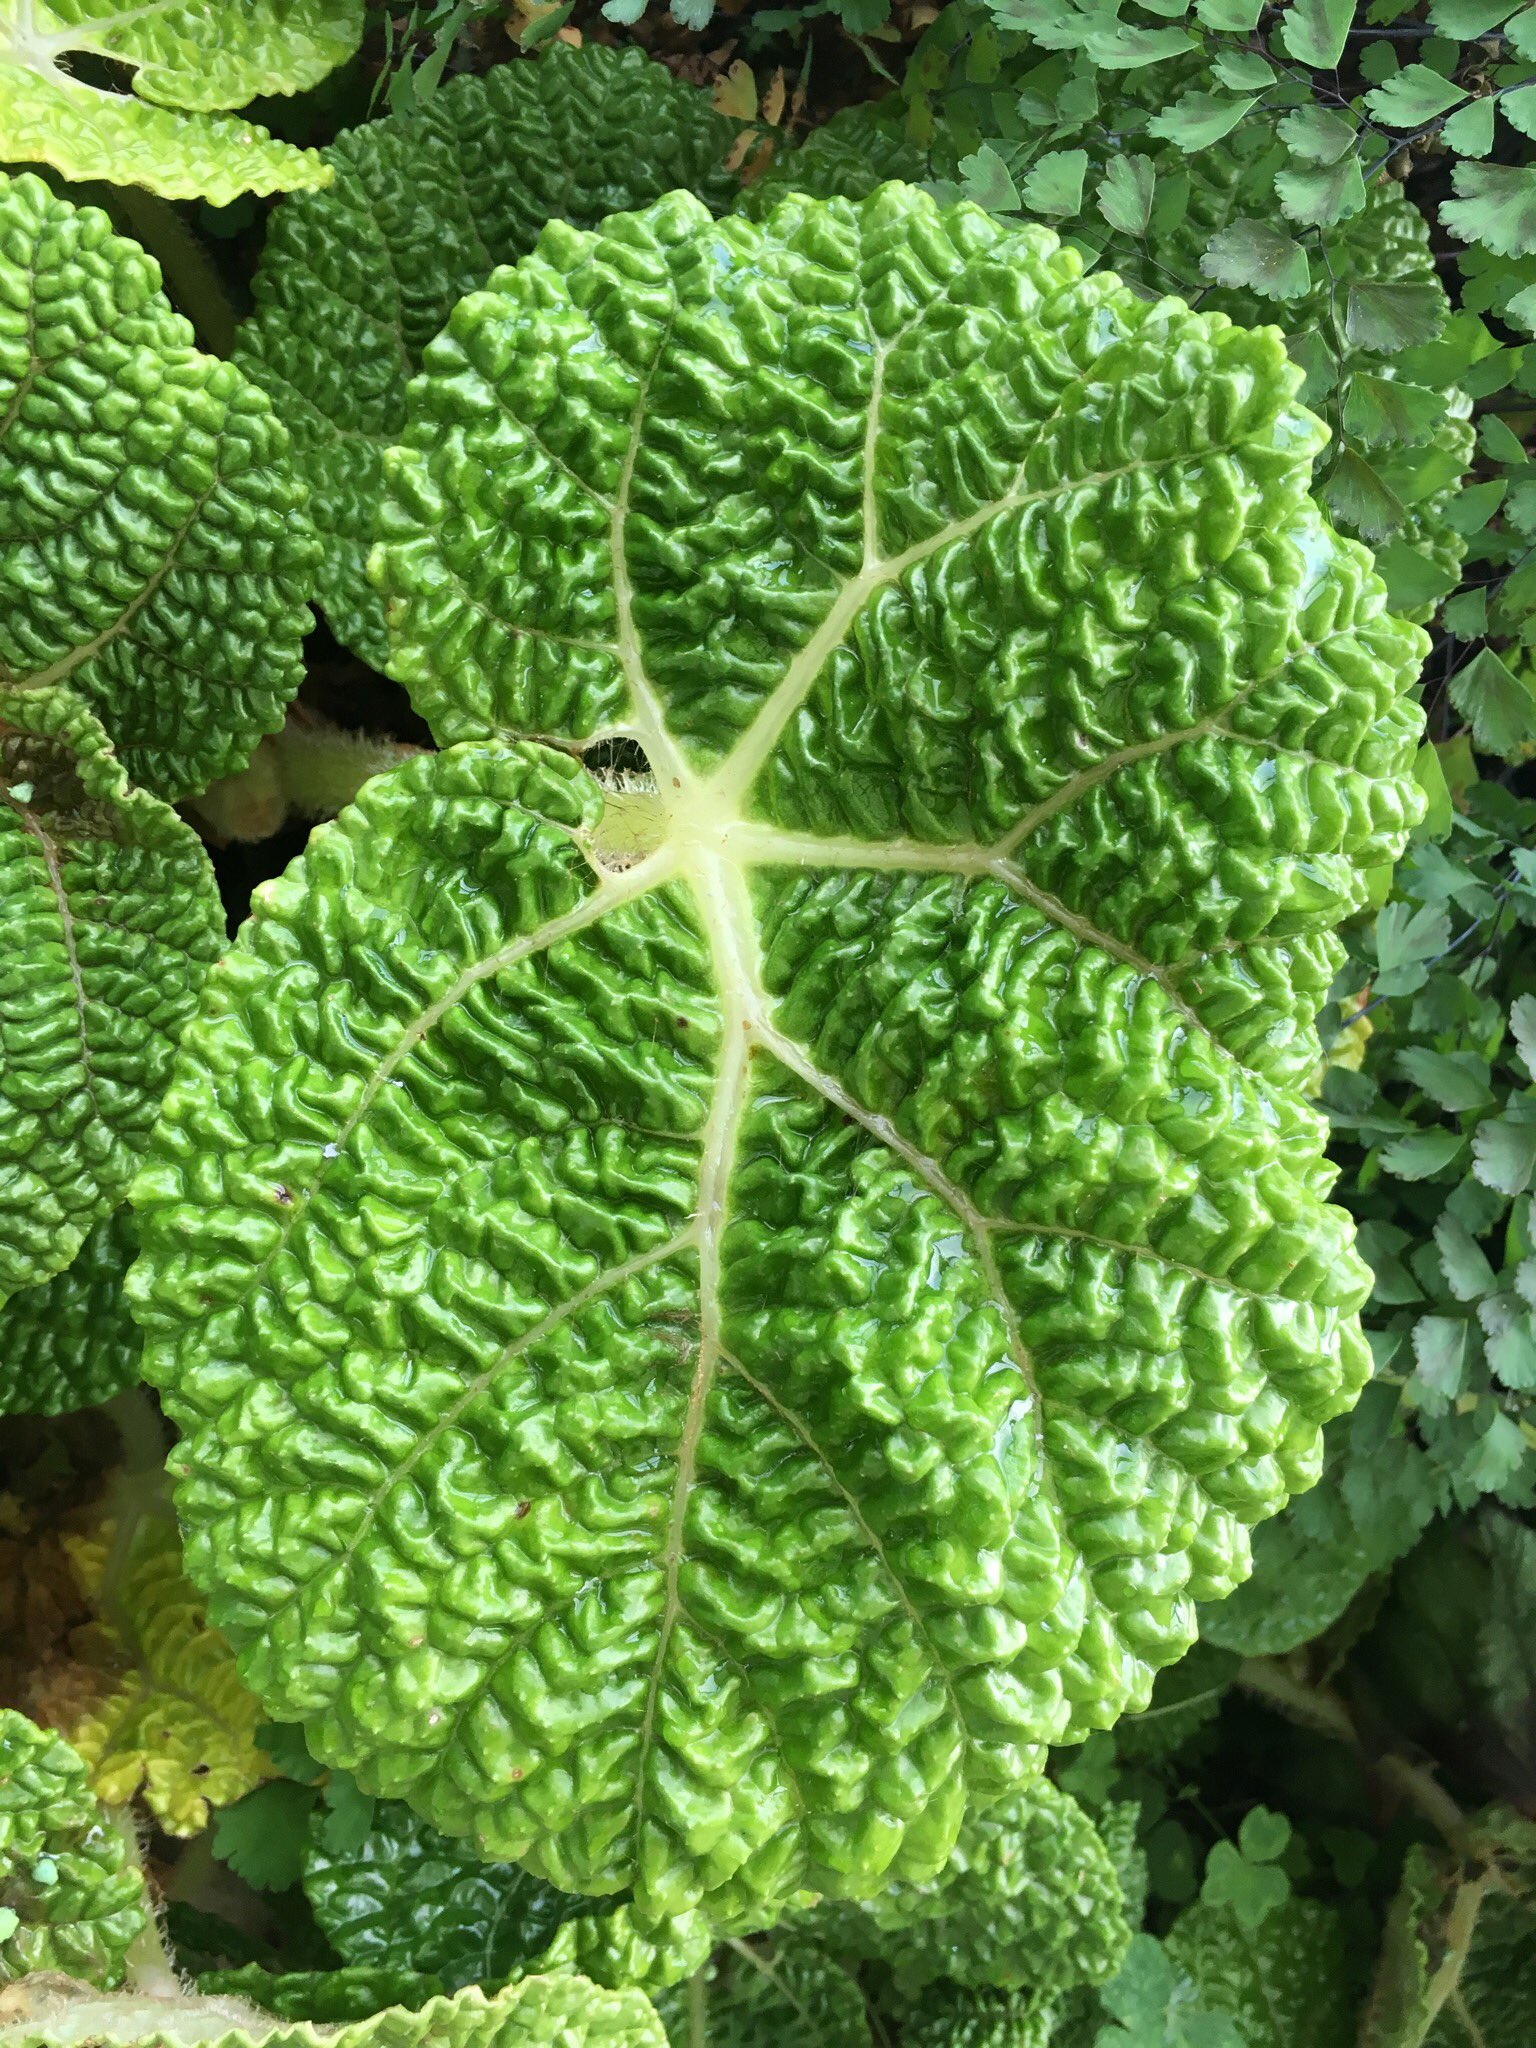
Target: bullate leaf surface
187 62
111 916
355 280
69 1342
71 1896
538 2012
156 552
702 1346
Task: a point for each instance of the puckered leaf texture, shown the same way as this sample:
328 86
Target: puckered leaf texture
1118 1827
696 1361
1288 1980
111 917
952 2016
860 148
410 1897
156 554
1380 250
71 1897
186 56
611 1948
187 60
149 1696
1371 1505
1028 1900
354 1991
70 1342
355 281
539 2012
783 1993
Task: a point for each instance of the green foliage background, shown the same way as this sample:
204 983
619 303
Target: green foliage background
1322 1831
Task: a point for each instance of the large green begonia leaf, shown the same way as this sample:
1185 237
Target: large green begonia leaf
70 1342
1029 1900
189 61
611 1947
71 1895
156 552
1386 242
409 1897
700 1349
111 918
860 148
355 281
538 2012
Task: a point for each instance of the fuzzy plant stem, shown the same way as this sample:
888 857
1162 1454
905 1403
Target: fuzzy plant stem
1459 1931
698 2009
1314 1706
150 1970
308 770
324 768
